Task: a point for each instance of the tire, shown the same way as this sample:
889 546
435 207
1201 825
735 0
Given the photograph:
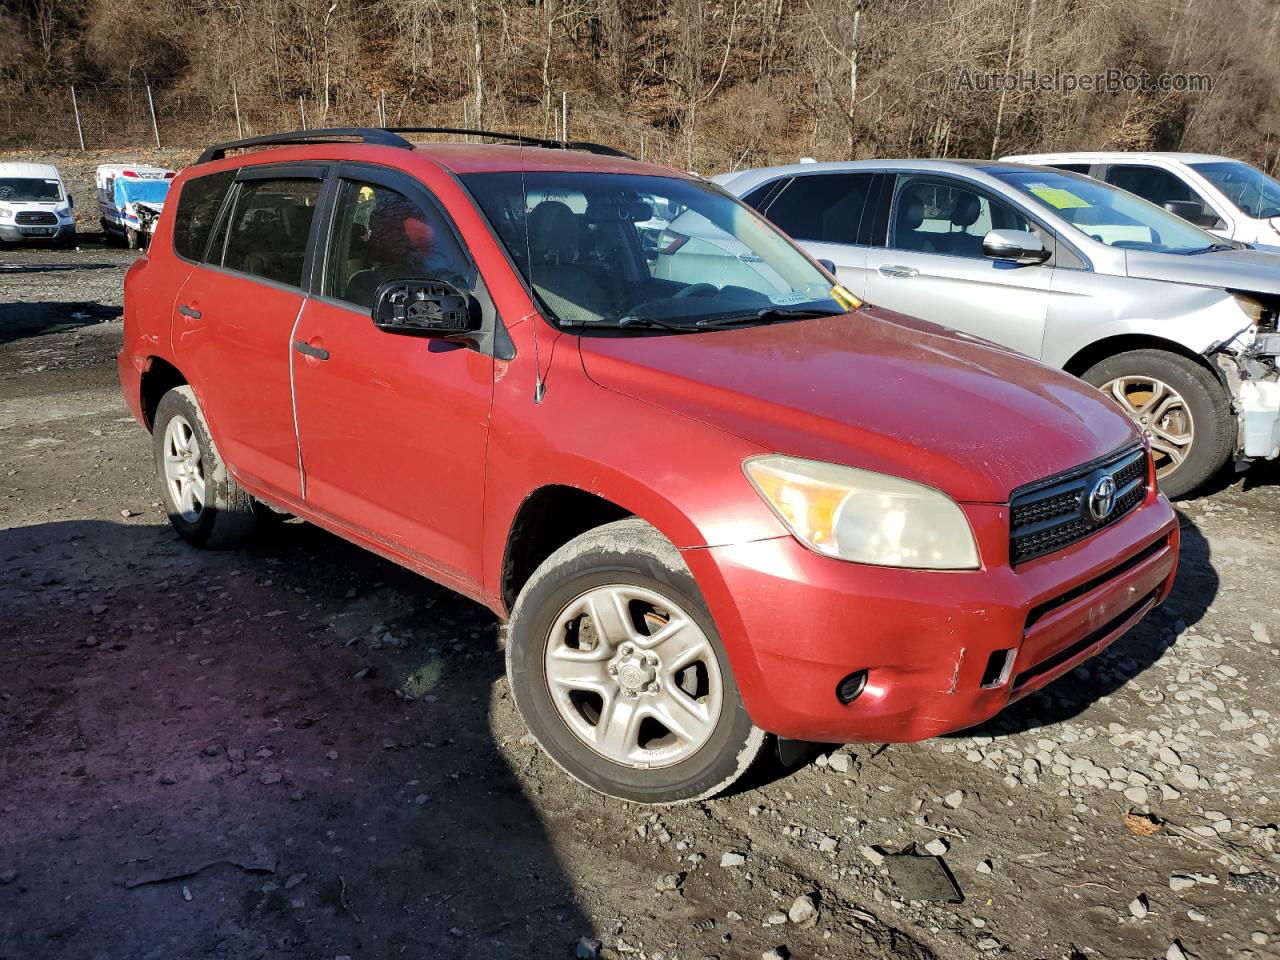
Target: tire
214 512
552 631
1199 410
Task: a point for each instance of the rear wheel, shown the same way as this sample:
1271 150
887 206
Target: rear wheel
618 671
205 505
1180 407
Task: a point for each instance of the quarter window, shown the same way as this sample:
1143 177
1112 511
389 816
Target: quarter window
934 217
380 235
198 205
269 227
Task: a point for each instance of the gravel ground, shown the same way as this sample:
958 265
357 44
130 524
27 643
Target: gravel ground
298 749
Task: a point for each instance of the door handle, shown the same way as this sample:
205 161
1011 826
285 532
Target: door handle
893 270
319 353
191 312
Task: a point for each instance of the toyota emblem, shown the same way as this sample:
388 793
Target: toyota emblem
1102 499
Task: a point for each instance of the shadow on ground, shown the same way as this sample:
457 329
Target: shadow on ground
1129 657
221 755
18 320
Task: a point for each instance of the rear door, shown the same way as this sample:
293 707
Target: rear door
392 427
934 268
234 316
829 214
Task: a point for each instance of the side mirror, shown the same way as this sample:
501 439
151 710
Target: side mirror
828 265
1186 209
71 201
424 307
1020 246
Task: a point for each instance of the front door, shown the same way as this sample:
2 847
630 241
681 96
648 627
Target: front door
934 268
392 427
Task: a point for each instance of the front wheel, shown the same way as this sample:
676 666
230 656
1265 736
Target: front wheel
617 669
1180 407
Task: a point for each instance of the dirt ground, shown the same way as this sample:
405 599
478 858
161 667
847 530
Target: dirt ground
223 755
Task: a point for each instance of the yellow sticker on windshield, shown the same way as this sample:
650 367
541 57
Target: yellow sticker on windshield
1057 197
843 297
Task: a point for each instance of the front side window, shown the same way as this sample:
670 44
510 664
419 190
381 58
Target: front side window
1248 188
932 216
378 235
198 204
1107 214
1150 183
29 190
614 251
825 208
268 229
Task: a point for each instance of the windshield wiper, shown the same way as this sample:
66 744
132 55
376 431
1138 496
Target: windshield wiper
632 322
767 315
1212 248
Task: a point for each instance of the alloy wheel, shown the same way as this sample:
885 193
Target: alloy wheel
633 676
1160 413
184 469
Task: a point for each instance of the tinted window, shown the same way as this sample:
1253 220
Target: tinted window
267 236
1151 184
198 205
826 208
1073 167
941 217
380 235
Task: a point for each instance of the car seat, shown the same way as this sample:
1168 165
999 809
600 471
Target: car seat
568 288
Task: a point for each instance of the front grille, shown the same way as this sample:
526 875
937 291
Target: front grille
1056 512
41 218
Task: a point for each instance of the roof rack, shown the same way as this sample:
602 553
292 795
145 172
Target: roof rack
390 137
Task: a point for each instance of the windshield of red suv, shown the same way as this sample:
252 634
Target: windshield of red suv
616 251
29 189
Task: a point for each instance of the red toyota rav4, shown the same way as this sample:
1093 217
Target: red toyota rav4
715 496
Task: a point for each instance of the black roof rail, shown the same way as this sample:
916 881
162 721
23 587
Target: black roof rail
373 135
390 137
586 145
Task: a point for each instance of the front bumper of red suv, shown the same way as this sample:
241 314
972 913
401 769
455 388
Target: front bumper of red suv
941 651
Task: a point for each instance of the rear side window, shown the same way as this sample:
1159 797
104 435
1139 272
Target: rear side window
1073 167
825 208
198 206
267 235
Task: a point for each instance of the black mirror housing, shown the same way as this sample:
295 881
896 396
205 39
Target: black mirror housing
1186 209
424 307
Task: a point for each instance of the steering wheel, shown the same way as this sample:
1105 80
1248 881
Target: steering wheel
697 290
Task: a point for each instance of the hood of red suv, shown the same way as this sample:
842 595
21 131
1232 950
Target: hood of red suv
877 390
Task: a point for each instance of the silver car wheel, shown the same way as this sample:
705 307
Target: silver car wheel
633 676
1160 413
183 469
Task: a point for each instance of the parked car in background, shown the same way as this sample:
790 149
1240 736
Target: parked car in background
130 198
713 504
1224 196
1175 325
34 203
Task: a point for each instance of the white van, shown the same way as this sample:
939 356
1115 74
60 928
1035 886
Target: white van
130 198
1218 194
34 204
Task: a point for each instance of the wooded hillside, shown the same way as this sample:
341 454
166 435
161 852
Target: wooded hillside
706 84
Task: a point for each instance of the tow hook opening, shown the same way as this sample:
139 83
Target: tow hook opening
999 667
851 687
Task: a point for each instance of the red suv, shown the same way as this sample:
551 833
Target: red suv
714 495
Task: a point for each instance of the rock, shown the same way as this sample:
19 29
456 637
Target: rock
803 910
984 866
587 948
271 777
8 876
186 894
828 844
871 854
1140 906
1179 883
1136 795
1170 756
1175 952
669 881
776 953
937 847
775 919
839 762
954 799
732 859
987 944
127 513
294 880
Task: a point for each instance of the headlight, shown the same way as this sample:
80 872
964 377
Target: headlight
865 517
6 214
